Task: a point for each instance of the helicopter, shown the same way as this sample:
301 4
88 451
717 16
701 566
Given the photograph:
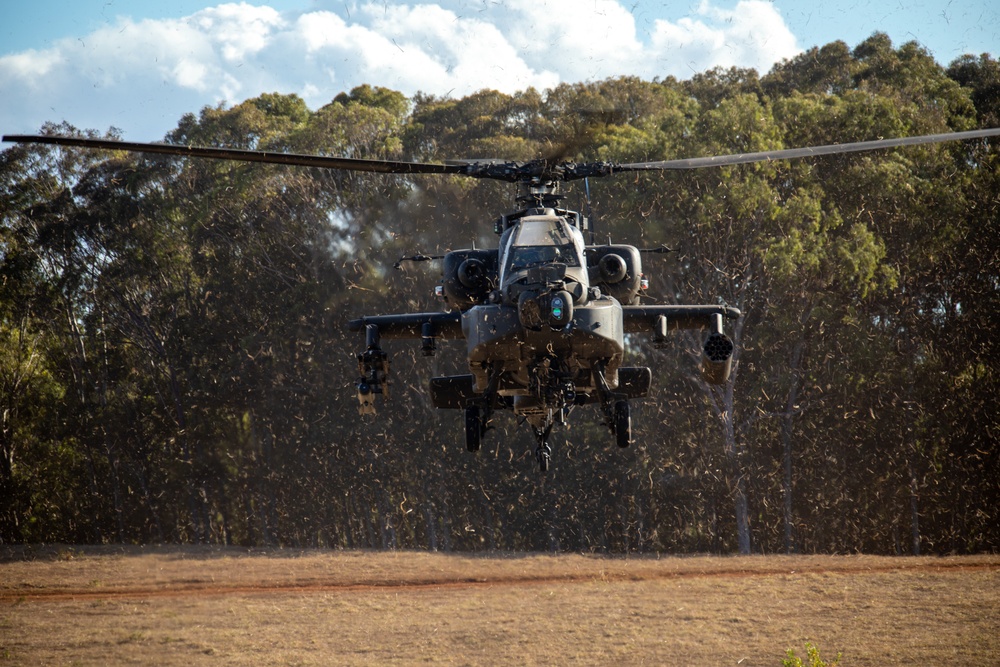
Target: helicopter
544 315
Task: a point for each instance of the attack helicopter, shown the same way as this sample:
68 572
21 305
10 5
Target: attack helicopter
544 315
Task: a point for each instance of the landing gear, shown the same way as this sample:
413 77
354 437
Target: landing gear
479 411
475 427
544 456
623 424
617 413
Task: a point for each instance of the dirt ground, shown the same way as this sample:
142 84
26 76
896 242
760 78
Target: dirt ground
225 606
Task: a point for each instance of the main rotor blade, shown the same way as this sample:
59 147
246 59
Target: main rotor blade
498 170
811 151
352 164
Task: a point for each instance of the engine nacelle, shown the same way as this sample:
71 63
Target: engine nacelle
468 277
616 270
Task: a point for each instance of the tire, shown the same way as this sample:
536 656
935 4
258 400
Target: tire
544 459
473 429
623 424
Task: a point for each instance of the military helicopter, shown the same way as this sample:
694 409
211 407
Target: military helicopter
545 314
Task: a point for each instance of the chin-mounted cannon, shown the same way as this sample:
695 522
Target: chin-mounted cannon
373 370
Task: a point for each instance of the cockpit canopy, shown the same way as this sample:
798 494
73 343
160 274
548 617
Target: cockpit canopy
543 239
543 252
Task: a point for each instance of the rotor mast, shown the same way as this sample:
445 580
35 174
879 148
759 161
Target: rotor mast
536 193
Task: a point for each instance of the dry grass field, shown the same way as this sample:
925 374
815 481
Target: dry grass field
213 606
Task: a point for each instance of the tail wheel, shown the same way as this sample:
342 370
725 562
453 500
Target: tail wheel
473 428
623 424
544 456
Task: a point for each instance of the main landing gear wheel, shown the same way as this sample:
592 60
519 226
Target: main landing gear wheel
623 424
473 428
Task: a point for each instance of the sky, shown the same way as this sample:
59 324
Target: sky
139 65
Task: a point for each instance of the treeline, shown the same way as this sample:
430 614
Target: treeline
174 364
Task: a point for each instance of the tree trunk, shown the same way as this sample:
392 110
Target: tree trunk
735 456
787 424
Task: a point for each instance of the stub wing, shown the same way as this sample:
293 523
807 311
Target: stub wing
636 319
413 325
646 319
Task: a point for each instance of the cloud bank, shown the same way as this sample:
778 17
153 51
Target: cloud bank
142 75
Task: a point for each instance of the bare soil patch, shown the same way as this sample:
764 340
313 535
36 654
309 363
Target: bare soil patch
221 606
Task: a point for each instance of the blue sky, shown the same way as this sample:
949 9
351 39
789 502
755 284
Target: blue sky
138 65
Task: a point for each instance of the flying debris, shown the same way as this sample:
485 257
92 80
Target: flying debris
544 314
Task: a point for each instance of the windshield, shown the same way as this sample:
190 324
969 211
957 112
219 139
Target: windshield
541 241
523 257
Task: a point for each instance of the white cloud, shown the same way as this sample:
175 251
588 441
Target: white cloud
581 40
239 30
142 75
437 51
30 66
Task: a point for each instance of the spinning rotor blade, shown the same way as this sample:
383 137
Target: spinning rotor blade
810 151
351 164
542 170
581 137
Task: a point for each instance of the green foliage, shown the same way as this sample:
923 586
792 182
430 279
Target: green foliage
376 97
981 76
812 659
